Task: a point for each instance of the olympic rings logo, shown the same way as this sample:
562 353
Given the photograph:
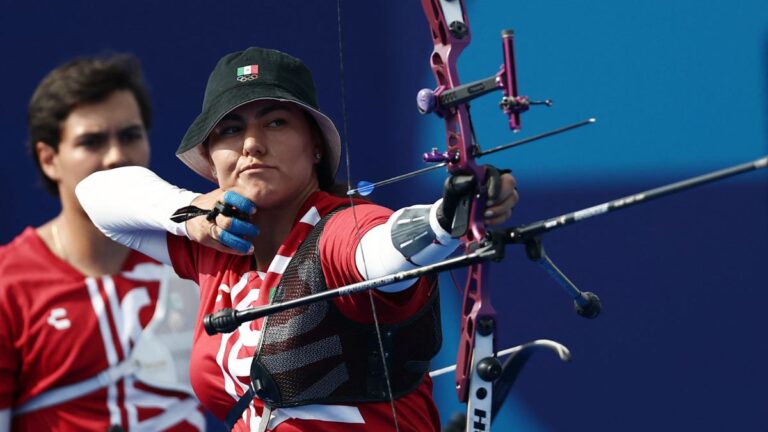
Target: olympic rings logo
245 78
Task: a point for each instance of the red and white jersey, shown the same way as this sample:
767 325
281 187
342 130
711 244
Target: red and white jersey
60 328
221 363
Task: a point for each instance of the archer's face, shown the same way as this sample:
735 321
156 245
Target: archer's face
96 137
265 151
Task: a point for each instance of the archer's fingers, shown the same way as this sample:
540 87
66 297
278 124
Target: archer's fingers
505 189
500 183
506 204
498 218
500 210
499 213
227 242
237 243
239 202
493 182
236 226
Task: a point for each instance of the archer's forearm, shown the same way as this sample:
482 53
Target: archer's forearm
133 206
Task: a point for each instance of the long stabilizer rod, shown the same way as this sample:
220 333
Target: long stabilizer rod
524 232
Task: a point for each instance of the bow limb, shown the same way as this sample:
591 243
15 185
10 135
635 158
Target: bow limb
476 364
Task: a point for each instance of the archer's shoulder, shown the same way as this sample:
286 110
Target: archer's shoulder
361 215
351 210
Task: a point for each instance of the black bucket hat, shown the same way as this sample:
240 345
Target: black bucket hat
247 76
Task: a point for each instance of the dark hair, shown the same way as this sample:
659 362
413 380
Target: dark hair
325 178
82 81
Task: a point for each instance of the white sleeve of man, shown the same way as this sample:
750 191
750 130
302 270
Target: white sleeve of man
411 237
133 206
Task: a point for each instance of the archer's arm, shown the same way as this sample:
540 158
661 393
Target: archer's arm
411 237
133 206
419 235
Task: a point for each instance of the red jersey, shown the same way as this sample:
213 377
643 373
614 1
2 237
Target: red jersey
60 328
222 362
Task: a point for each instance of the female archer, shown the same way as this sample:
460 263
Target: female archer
357 362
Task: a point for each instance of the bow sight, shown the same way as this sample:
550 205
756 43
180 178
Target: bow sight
443 98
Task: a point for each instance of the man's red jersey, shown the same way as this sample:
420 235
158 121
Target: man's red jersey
60 328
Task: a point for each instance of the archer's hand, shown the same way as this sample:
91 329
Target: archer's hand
227 227
502 195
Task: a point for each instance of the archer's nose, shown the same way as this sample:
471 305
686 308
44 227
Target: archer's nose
253 144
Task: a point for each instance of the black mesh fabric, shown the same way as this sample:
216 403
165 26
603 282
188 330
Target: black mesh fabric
314 354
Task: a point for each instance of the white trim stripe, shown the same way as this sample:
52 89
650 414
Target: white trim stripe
99 309
146 272
278 264
174 410
329 413
311 217
117 315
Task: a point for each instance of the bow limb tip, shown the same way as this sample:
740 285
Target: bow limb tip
514 365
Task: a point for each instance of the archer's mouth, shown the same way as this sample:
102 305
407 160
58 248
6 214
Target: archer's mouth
255 168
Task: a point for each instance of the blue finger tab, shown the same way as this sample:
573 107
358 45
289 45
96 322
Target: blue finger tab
232 241
243 229
240 202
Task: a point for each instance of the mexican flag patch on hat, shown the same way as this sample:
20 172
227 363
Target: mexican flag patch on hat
250 71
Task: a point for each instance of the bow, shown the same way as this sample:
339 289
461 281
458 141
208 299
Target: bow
477 367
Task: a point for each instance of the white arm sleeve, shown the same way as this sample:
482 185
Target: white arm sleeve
133 206
376 256
5 420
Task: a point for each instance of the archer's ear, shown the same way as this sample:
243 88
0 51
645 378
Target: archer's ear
49 161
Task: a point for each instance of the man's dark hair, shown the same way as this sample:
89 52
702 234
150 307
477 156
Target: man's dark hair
79 82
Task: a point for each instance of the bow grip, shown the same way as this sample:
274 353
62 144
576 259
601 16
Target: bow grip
453 214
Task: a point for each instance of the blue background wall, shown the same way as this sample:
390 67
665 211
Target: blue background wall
678 88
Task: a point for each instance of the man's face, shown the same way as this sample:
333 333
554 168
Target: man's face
95 137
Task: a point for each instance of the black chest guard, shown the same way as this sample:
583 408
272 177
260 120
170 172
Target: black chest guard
314 354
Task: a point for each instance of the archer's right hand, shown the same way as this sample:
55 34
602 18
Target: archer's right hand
226 227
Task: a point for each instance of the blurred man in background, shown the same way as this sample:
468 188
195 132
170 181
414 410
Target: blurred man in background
94 336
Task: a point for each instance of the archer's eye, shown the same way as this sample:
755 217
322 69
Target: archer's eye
228 130
277 122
